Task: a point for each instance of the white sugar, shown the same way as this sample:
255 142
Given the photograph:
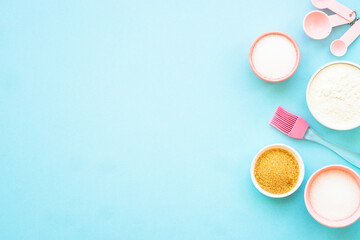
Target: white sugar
335 195
274 56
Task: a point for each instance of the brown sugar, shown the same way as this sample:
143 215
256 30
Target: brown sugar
276 171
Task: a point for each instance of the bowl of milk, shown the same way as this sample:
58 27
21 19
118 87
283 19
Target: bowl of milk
274 56
332 196
333 95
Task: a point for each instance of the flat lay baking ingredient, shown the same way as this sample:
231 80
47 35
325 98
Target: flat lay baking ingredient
296 127
334 96
335 195
276 171
274 56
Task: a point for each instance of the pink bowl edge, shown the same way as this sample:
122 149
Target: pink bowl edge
298 56
329 223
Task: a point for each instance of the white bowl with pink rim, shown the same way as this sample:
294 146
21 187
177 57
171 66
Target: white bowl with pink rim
298 159
274 56
330 91
332 196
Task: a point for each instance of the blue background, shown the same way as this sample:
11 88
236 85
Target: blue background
139 120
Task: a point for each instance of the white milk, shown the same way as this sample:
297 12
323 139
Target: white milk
274 56
335 195
334 96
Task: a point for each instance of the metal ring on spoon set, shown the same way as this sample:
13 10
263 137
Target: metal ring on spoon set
355 19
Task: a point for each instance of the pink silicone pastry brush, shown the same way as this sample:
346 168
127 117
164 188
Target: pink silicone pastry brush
296 127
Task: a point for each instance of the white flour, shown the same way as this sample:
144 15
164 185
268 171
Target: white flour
335 195
274 56
334 96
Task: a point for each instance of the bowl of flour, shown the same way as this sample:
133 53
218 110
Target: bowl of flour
333 95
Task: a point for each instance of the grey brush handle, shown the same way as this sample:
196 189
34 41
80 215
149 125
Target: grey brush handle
347 154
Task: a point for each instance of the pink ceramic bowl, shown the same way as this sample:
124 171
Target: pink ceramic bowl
297 49
331 223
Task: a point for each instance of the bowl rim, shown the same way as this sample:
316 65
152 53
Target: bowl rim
297 157
331 223
308 89
298 56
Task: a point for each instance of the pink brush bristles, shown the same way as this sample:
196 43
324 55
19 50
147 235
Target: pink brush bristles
288 123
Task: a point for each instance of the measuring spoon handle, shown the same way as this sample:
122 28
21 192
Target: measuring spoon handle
351 34
343 11
337 20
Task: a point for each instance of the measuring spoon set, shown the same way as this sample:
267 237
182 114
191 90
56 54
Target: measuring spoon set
318 25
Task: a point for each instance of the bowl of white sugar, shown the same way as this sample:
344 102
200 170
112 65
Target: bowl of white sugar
333 95
274 56
332 196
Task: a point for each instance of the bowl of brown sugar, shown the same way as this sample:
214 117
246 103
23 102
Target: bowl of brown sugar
277 170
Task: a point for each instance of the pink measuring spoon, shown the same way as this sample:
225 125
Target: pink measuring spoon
318 25
336 7
339 46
